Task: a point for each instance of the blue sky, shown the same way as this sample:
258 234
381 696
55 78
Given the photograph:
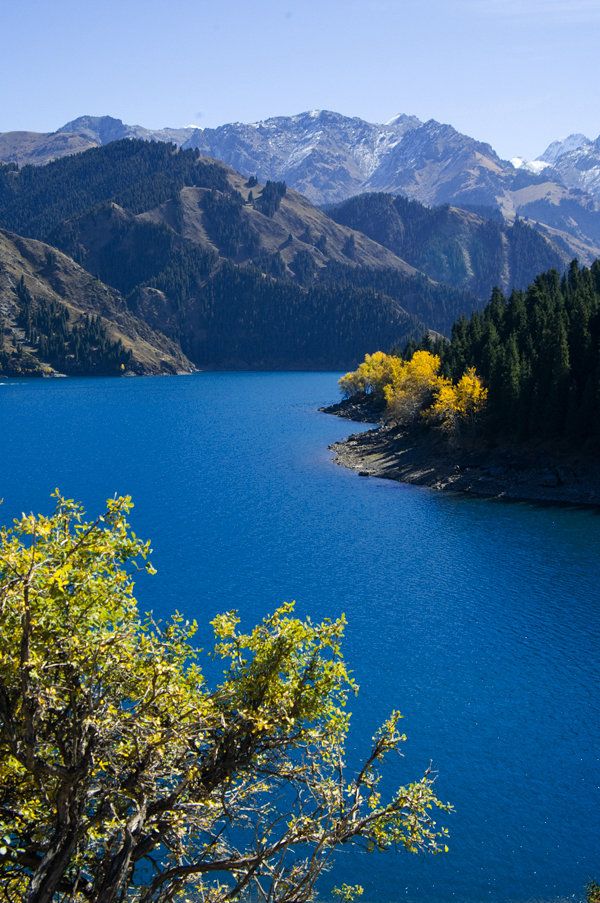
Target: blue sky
516 73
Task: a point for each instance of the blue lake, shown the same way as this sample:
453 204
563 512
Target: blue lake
479 620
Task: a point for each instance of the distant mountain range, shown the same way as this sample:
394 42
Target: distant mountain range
577 160
207 266
294 242
329 158
38 148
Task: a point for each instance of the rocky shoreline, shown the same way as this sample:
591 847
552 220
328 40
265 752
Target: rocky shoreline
422 459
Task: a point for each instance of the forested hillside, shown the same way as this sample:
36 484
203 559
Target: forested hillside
137 175
55 316
239 274
251 320
329 158
538 353
525 369
509 407
458 247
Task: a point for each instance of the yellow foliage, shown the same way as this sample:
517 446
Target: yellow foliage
106 715
416 386
457 402
412 385
593 893
376 371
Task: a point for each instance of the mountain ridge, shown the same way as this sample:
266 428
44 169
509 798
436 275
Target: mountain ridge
238 273
244 274
330 157
459 247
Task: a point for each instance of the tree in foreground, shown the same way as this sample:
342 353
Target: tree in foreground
593 892
124 777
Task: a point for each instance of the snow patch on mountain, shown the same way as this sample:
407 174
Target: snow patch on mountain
534 166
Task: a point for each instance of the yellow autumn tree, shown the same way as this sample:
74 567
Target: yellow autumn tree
412 386
126 776
458 402
372 376
593 892
415 387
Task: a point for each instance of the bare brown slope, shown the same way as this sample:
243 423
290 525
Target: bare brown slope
52 276
297 226
39 148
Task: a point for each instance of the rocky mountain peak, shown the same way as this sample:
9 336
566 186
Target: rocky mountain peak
102 128
564 146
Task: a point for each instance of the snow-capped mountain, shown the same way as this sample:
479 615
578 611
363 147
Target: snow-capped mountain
576 161
534 166
324 155
330 157
563 146
435 164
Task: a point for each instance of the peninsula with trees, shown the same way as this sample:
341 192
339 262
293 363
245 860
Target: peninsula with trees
508 407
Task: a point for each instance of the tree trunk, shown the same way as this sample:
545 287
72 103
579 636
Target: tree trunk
51 871
111 884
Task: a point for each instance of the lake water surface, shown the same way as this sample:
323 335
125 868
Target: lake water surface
479 620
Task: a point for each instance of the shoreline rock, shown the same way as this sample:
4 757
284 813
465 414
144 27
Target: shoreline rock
542 475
